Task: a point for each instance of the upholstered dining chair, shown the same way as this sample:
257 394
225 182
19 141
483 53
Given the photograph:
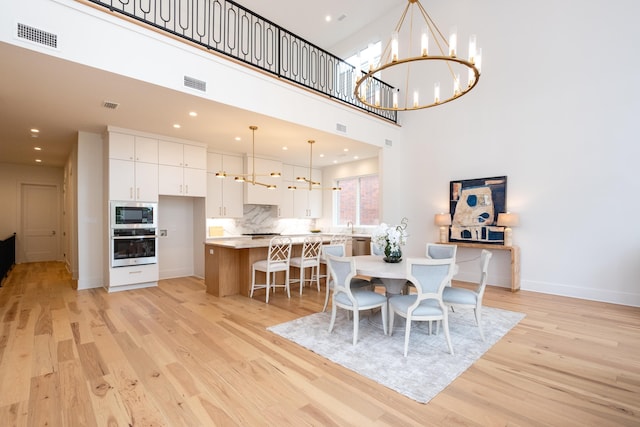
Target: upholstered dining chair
440 251
456 297
308 259
375 249
345 296
429 276
336 239
278 259
338 250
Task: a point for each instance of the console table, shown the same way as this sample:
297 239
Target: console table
515 258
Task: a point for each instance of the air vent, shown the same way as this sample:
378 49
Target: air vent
341 17
341 128
37 36
195 84
388 142
110 105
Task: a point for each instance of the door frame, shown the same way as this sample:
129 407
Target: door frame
20 255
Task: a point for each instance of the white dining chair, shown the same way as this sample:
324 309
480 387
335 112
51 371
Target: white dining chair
338 250
456 297
345 296
375 249
308 259
429 276
277 260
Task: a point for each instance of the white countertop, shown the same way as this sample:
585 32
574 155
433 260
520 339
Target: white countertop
244 242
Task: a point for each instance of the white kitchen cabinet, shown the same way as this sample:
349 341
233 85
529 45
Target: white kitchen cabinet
130 180
129 147
307 203
180 181
184 155
133 167
182 170
255 194
224 196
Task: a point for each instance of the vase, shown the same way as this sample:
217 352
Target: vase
392 255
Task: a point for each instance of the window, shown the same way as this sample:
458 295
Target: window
358 201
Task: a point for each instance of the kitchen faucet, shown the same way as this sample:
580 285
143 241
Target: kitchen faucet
350 225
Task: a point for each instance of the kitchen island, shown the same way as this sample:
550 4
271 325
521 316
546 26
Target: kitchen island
228 261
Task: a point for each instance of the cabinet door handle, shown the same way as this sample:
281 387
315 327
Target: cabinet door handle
224 210
131 192
186 191
138 193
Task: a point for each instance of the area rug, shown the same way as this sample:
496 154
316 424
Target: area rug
428 367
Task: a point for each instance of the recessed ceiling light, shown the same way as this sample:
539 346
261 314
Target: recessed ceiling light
34 130
285 148
356 157
346 149
327 18
237 138
176 126
193 114
37 148
321 155
335 161
38 161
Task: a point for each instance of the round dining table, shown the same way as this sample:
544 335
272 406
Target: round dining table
392 275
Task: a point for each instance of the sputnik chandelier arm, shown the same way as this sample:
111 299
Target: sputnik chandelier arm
250 178
367 85
311 184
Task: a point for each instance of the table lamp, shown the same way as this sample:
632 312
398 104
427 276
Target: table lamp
508 220
443 220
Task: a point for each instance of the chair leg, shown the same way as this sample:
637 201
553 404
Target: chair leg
445 326
286 283
407 333
253 281
356 324
301 278
326 298
478 312
333 317
391 319
317 270
268 280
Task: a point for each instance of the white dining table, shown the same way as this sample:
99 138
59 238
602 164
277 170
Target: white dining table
392 275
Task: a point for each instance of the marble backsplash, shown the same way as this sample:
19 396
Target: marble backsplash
261 219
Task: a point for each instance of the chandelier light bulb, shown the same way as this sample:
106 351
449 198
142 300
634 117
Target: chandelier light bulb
456 85
416 99
436 92
395 99
394 46
424 42
453 42
478 60
472 48
377 97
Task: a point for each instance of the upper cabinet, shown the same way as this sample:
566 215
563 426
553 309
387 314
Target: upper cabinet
224 196
302 202
133 168
256 194
182 170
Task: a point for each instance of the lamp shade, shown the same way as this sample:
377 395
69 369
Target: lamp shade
508 219
442 219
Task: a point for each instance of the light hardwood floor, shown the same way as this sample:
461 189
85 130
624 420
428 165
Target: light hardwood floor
177 356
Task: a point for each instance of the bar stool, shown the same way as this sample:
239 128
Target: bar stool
278 259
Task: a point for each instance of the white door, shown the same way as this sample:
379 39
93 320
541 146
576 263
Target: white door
40 212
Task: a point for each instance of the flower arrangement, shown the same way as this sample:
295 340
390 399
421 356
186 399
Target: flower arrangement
391 238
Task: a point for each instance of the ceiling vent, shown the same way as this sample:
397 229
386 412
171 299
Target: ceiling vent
37 36
110 105
341 128
388 142
195 84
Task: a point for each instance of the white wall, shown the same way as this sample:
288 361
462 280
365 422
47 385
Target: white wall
92 245
176 250
556 111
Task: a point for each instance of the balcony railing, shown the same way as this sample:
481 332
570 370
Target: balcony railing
232 30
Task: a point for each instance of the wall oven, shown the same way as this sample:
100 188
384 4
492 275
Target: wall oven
133 246
133 215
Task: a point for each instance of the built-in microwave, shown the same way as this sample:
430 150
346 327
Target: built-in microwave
134 215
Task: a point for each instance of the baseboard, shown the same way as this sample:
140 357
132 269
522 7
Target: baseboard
601 295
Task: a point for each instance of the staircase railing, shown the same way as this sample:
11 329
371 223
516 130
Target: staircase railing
234 31
7 256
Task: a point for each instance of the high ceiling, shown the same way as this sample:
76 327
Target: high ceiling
61 98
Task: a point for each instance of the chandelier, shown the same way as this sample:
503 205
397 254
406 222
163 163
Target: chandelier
310 183
429 59
251 178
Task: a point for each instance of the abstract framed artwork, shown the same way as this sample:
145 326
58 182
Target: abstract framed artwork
474 205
